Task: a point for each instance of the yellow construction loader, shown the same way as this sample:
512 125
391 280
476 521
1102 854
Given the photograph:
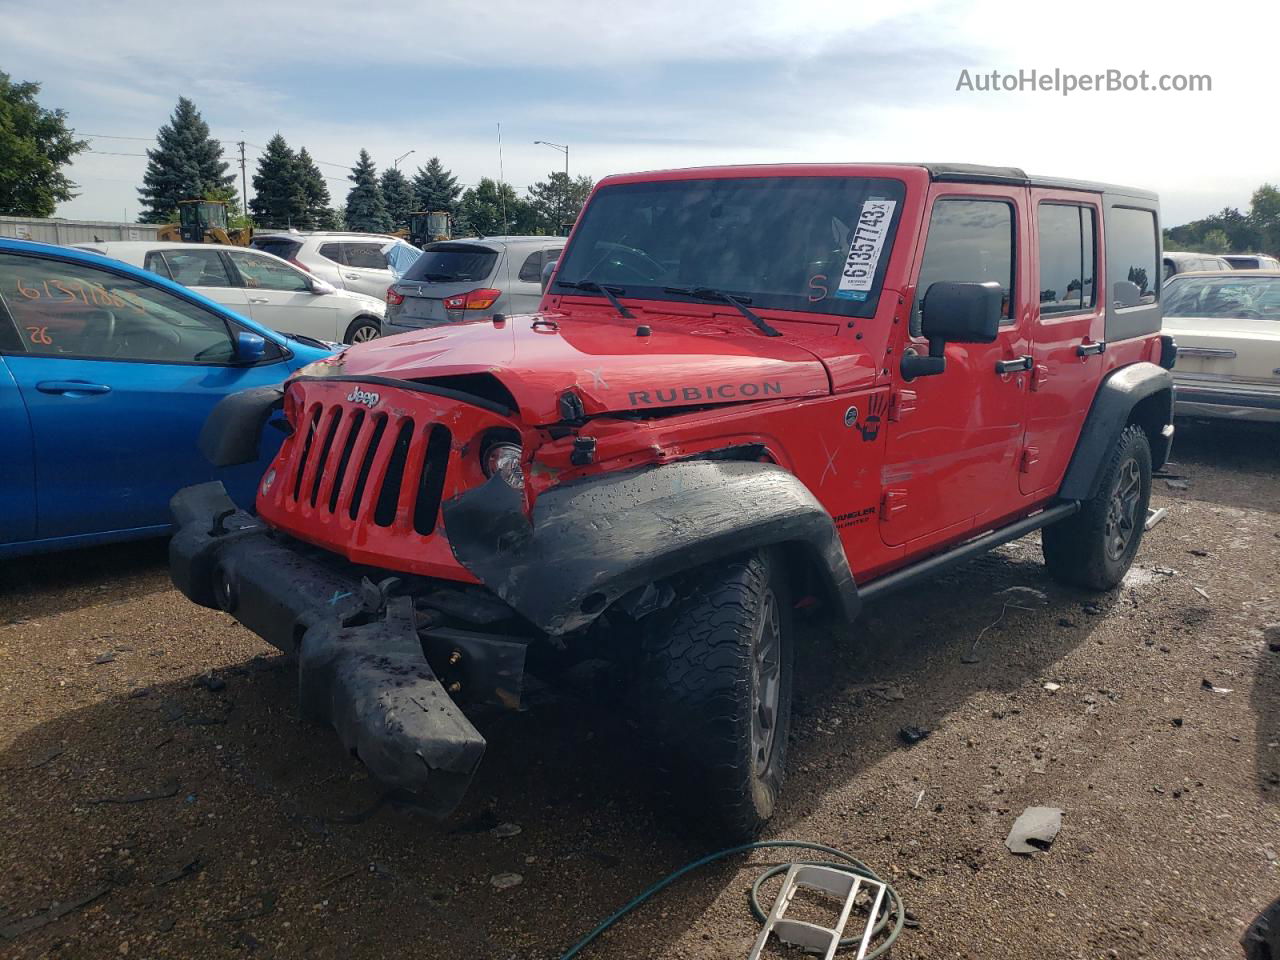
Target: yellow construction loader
204 221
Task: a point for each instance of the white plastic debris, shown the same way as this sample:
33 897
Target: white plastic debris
1034 830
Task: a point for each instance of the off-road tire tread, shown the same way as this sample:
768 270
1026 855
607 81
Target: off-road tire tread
696 691
1073 548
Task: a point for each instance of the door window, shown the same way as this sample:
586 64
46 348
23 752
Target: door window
265 273
969 241
1066 258
69 309
365 256
330 251
197 268
1131 256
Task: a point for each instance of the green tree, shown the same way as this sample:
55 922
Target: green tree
366 208
558 200
485 210
35 145
317 213
435 188
186 164
398 195
1264 217
279 196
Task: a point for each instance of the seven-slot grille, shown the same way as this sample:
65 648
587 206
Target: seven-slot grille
361 466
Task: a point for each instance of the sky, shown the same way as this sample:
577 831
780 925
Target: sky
666 83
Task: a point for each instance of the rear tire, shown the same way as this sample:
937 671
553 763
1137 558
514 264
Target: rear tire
717 668
1095 547
363 329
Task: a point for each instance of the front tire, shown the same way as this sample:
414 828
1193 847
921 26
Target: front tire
1095 547
718 671
362 330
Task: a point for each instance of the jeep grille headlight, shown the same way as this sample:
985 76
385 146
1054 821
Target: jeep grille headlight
503 459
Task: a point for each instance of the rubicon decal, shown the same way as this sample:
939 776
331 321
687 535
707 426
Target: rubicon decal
357 395
710 393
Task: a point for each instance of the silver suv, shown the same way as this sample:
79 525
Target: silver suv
457 280
361 262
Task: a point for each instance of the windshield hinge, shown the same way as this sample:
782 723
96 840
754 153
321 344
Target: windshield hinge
900 403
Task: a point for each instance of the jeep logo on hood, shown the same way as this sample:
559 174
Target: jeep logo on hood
357 395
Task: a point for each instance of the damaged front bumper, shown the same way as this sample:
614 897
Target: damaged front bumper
361 662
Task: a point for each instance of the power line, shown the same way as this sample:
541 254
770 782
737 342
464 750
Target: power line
110 153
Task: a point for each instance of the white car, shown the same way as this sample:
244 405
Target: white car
257 285
1227 327
365 263
1251 261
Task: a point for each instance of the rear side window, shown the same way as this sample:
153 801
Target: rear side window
969 241
1066 264
197 268
1132 267
283 248
366 256
452 263
531 269
331 251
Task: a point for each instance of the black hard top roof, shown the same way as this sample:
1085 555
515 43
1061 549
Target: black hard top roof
977 173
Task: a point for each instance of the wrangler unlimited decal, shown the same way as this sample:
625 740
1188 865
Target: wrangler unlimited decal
713 392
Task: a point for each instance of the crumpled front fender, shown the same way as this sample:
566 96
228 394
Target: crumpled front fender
591 543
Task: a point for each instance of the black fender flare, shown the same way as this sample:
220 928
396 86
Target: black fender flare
233 428
1118 394
592 542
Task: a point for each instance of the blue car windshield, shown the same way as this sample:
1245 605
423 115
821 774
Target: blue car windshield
812 244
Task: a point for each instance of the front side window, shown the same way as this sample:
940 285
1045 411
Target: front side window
265 273
330 251
366 256
969 241
1066 262
811 244
1132 250
68 309
197 268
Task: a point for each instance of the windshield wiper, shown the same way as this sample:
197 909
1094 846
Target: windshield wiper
706 293
610 294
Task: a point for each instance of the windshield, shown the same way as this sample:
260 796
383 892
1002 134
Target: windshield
452 262
815 244
1248 298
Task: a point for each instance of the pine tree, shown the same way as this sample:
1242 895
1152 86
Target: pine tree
35 144
186 164
366 208
487 210
435 188
398 196
317 213
279 199
558 200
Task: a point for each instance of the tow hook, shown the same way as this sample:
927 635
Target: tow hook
584 451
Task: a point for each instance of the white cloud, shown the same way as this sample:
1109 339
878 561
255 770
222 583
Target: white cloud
670 83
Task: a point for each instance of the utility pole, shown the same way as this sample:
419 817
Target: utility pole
244 184
563 148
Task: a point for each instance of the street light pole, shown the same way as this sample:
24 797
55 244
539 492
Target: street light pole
563 148
395 164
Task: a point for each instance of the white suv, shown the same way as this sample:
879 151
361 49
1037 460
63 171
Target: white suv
365 263
256 284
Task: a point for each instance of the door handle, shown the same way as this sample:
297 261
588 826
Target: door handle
72 387
259 300
1014 366
1090 349
352 276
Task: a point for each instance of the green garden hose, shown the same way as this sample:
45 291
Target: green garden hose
892 906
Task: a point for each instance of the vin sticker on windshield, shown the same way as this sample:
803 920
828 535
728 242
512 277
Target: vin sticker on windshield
865 248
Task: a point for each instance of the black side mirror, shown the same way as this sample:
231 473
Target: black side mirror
954 312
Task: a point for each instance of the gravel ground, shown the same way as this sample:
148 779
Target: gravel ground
204 820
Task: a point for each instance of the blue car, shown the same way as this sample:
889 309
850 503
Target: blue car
107 373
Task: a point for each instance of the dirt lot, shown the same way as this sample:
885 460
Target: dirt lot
1169 839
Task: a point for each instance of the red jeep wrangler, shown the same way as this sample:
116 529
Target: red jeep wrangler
746 387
